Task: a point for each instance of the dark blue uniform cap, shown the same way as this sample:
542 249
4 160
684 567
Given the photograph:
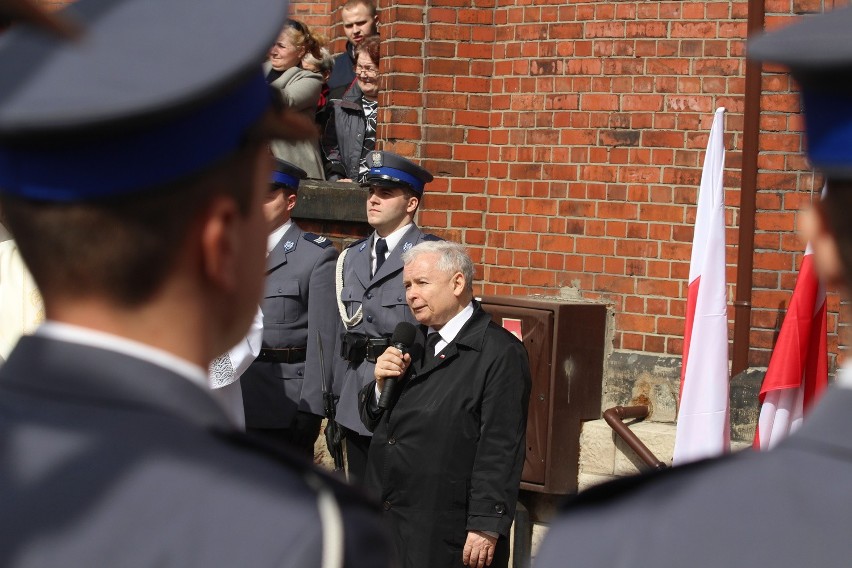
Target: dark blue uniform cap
287 175
154 91
818 51
392 170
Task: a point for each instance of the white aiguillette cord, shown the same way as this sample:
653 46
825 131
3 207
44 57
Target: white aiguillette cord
338 288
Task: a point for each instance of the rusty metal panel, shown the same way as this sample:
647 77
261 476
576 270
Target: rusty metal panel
565 343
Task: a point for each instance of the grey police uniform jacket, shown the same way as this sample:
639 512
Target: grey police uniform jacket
109 460
788 507
298 303
382 300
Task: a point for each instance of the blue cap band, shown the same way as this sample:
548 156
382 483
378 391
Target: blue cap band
129 160
828 121
285 179
415 182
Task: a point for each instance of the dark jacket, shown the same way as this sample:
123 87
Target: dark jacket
109 460
343 72
447 457
343 140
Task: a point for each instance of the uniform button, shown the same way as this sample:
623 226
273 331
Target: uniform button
386 505
370 319
392 441
299 372
280 291
399 299
369 296
499 508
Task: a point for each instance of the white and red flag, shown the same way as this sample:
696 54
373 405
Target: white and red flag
798 369
703 423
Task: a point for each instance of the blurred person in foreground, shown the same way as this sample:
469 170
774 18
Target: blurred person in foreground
135 195
447 452
360 21
350 134
788 506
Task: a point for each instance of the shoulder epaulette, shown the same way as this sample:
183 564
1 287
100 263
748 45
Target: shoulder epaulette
319 240
358 242
431 237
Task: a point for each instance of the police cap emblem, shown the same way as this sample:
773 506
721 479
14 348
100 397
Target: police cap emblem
376 159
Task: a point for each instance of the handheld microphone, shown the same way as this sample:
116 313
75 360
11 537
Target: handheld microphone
402 338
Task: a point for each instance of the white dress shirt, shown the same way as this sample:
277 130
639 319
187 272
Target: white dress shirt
451 329
448 332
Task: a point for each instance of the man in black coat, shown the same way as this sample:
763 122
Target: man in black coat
788 507
447 454
135 194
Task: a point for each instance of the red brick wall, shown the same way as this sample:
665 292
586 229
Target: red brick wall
567 140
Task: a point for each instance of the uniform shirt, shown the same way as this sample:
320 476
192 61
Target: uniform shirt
275 236
391 240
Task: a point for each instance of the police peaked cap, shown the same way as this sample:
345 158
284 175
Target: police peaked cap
818 51
287 175
389 169
152 92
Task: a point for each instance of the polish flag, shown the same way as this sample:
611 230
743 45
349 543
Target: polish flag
798 369
703 424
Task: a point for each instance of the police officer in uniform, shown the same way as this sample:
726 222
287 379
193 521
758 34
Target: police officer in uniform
133 171
371 297
282 389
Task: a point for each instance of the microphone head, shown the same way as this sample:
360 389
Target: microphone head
404 333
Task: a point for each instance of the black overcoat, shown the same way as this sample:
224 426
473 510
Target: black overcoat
447 456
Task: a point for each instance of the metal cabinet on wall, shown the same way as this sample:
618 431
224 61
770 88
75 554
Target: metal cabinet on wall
565 343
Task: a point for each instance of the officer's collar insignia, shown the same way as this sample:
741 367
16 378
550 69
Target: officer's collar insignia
288 246
376 159
363 246
406 246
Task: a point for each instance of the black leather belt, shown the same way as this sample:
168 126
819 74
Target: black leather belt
356 347
289 355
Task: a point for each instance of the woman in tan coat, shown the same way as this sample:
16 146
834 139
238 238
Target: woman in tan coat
300 90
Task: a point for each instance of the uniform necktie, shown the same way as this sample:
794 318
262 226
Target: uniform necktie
381 250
